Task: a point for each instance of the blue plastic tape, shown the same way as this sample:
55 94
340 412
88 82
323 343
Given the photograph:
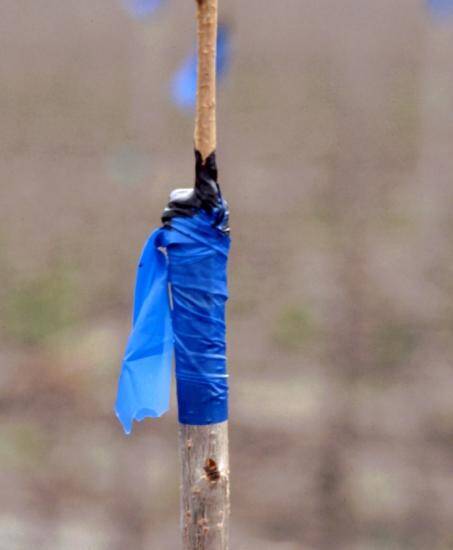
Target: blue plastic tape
190 254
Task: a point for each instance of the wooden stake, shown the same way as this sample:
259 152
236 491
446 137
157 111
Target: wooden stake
205 491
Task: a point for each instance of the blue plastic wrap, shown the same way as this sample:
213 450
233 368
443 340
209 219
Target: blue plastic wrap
190 254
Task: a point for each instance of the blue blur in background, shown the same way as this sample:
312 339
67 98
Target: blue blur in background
441 9
141 8
184 83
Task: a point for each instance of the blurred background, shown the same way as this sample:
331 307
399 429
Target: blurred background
335 153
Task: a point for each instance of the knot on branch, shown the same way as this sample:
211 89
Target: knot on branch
211 470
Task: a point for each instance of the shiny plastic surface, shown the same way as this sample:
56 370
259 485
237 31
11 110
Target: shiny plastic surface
190 255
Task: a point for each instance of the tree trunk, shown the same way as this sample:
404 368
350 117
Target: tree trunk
205 486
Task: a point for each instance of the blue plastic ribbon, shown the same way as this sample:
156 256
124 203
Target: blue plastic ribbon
189 256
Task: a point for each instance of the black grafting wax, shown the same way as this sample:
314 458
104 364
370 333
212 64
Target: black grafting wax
205 195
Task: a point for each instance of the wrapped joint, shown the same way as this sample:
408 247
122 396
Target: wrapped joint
205 195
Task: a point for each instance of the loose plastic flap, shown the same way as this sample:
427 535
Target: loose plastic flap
144 384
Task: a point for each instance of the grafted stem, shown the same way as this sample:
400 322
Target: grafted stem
205 488
205 502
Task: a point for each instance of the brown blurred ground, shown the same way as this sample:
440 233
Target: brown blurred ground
335 146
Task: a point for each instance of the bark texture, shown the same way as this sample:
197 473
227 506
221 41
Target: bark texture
205 123
205 502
